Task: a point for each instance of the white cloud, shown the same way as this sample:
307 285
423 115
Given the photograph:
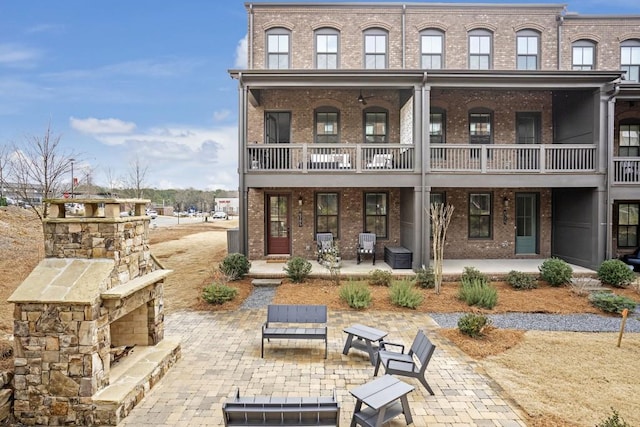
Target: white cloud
44 28
16 55
101 126
142 68
241 53
222 115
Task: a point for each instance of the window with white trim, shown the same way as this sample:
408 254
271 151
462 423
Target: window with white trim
583 55
278 48
375 48
528 50
630 59
432 49
480 42
327 42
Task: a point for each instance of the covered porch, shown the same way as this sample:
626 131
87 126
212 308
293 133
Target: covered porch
452 268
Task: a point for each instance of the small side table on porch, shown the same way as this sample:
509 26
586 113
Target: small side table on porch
364 336
386 398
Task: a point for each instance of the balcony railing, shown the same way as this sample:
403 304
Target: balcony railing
540 158
626 170
357 158
331 157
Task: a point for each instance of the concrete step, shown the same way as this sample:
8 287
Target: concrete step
266 282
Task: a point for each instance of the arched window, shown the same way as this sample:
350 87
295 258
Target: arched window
630 59
327 125
528 50
278 48
583 55
432 49
327 45
480 43
375 48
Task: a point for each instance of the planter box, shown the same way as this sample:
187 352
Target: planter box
398 257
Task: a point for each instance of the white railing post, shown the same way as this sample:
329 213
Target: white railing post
543 159
483 158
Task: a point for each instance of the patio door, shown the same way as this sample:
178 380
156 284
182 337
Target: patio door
528 132
526 223
278 224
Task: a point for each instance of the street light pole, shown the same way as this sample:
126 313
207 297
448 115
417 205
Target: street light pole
72 179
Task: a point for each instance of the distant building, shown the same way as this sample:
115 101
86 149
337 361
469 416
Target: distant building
230 205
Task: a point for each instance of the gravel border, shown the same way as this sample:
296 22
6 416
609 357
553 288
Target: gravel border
549 322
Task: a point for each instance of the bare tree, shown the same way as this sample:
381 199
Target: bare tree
440 218
39 166
137 176
5 167
113 181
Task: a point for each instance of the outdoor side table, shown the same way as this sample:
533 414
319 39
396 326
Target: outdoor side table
365 337
385 397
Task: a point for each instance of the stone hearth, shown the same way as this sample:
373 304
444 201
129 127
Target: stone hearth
97 288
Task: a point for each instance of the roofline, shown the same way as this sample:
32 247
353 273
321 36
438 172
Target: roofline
369 5
411 78
576 16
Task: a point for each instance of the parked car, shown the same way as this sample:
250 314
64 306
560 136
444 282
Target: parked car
220 215
152 213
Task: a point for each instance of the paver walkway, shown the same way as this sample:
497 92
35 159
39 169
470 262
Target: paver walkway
221 352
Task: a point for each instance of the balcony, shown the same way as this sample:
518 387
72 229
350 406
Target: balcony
348 158
507 158
445 158
626 170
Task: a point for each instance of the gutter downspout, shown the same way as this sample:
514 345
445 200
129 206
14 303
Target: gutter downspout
611 109
560 20
250 38
404 10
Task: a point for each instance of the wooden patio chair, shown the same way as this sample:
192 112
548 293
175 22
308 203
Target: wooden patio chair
325 244
399 363
366 245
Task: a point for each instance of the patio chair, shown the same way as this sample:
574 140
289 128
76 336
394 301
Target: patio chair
380 161
325 244
399 363
366 245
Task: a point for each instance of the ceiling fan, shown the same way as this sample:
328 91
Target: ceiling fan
363 99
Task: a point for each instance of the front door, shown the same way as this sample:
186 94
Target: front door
526 223
528 132
278 224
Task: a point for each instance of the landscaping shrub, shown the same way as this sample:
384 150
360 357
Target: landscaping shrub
520 280
403 294
297 269
234 266
473 325
614 420
477 292
218 293
356 294
615 273
556 272
380 278
473 274
611 303
425 278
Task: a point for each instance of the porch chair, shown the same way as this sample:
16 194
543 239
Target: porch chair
412 364
325 244
366 245
381 161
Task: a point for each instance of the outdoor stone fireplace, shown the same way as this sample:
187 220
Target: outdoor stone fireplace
97 293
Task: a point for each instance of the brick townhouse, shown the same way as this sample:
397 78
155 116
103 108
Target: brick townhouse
355 117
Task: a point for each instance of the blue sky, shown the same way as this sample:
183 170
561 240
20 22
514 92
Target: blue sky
147 79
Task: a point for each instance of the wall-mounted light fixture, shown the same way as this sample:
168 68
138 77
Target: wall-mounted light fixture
505 204
300 201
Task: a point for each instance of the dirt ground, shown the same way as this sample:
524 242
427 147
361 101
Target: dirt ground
559 379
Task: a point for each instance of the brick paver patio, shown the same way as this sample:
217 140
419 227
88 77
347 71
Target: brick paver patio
221 352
